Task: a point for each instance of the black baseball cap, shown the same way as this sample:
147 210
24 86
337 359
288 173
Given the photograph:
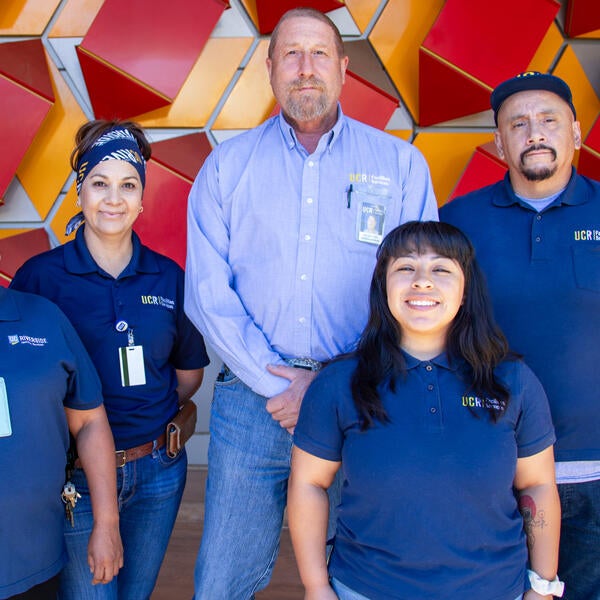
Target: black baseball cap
531 80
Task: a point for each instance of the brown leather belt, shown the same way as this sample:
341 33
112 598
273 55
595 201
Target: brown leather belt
122 457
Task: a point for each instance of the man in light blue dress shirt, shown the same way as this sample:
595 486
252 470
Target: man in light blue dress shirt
278 270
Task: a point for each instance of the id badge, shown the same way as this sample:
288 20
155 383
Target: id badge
5 428
370 223
131 360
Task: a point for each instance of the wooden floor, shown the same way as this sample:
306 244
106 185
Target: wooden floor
176 578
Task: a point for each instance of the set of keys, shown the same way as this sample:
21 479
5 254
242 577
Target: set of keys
69 496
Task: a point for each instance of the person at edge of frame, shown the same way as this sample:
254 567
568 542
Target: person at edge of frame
537 237
48 388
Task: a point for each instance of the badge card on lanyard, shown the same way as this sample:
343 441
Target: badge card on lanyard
5 428
131 361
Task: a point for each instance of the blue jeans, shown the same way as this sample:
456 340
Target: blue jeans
246 493
345 593
149 492
579 556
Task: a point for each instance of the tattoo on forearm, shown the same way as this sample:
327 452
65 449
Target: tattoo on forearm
532 518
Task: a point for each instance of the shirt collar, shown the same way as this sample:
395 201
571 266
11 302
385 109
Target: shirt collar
79 261
441 361
9 310
507 197
289 135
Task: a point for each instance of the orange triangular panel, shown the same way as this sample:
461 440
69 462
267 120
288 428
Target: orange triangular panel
113 95
269 12
445 93
582 16
184 155
25 63
15 250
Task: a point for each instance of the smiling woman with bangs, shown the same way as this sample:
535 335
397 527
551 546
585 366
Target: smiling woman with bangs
434 424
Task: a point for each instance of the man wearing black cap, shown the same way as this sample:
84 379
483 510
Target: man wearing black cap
537 236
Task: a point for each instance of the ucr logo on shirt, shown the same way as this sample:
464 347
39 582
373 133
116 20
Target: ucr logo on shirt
476 402
587 235
158 301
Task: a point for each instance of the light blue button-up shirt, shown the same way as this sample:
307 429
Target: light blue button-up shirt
279 255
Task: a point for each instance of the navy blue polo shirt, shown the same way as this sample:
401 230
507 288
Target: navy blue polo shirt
45 367
543 271
427 509
148 297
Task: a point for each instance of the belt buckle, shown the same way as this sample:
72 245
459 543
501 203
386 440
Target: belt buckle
122 456
309 364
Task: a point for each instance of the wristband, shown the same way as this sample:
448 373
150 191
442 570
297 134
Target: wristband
545 587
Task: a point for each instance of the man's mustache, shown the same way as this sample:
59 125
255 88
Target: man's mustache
536 148
310 81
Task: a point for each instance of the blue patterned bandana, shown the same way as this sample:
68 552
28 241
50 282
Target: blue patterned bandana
118 144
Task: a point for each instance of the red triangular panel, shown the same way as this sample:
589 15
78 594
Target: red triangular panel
185 154
490 49
589 156
269 12
112 94
162 225
445 93
21 114
25 63
153 41
363 101
15 250
582 16
482 170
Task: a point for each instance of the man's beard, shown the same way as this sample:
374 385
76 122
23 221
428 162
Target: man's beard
540 174
306 107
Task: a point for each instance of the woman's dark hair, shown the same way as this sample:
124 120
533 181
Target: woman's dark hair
473 335
89 132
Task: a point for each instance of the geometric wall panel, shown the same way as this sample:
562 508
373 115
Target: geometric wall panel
484 168
162 225
444 165
26 17
204 87
268 12
26 96
397 37
589 157
156 54
582 17
478 49
15 250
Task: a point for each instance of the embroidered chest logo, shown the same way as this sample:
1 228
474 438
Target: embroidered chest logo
477 402
29 340
587 235
158 301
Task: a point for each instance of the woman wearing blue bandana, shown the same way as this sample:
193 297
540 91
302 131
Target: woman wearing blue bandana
126 303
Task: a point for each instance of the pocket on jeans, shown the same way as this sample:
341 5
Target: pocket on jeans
586 265
226 377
